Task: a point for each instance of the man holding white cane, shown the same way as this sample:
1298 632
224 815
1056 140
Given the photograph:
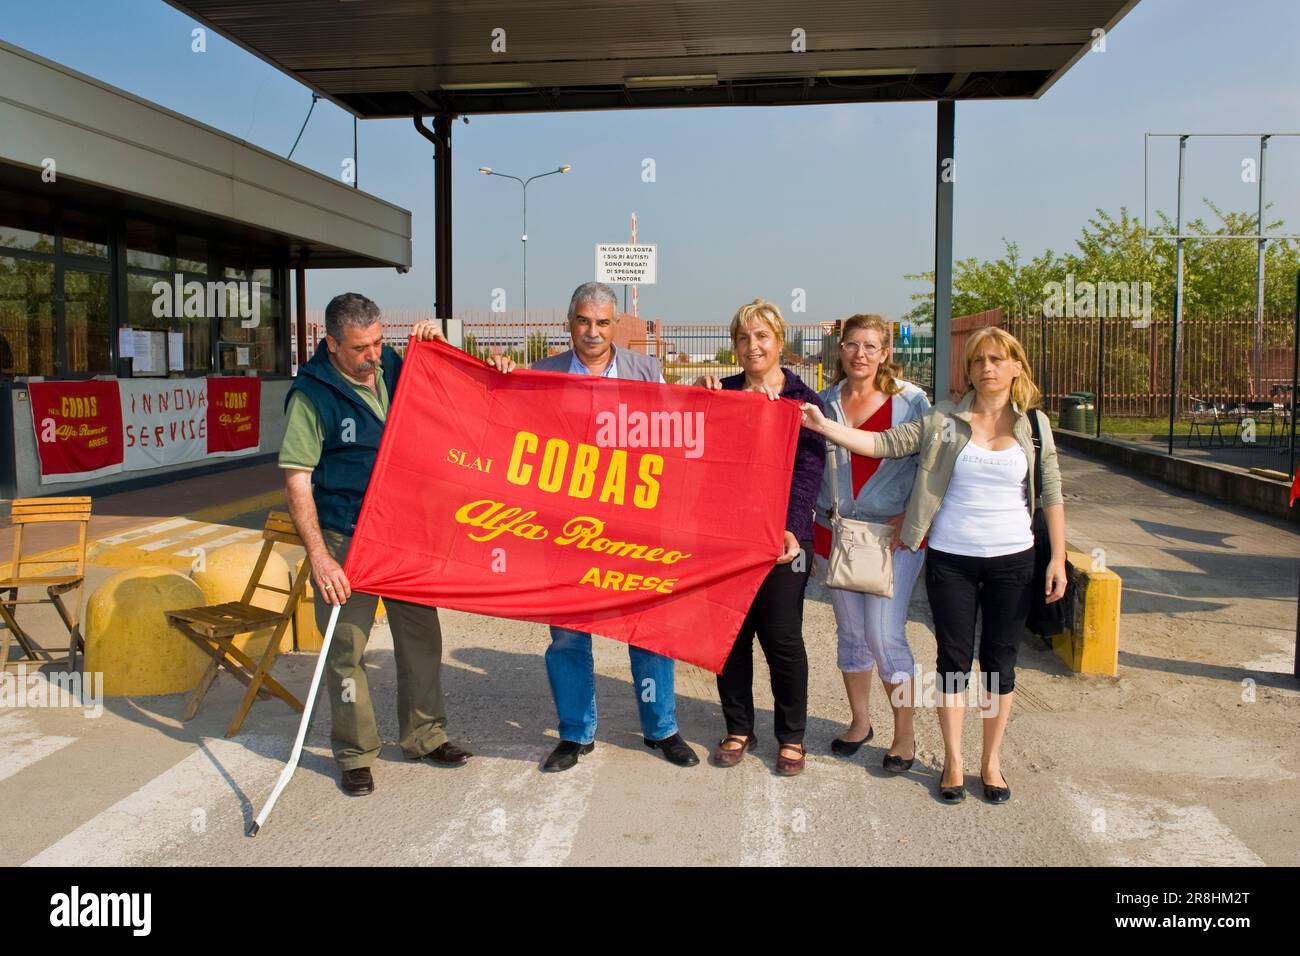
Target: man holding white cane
335 414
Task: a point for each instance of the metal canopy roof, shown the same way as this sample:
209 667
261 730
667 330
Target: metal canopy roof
391 58
120 152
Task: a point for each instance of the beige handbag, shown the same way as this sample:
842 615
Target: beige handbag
861 558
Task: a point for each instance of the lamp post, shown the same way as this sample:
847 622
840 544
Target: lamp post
488 171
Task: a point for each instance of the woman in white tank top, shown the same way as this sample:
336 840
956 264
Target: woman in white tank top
972 504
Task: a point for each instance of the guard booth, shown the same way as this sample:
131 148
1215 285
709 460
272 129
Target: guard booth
145 294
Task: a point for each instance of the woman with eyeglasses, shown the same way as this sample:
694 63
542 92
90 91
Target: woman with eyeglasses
867 394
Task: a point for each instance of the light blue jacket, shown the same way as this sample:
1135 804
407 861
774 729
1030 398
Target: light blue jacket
885 494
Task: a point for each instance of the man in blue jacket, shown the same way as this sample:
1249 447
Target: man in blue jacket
569 663
335 414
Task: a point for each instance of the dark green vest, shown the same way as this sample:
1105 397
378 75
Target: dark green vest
351 431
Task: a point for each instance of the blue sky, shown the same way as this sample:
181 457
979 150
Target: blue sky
835 200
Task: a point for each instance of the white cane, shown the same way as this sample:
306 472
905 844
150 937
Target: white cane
292 765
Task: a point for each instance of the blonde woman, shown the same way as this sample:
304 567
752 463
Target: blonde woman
776 614
866 393
973 499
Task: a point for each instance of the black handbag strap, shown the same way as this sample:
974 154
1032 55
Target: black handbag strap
1038 457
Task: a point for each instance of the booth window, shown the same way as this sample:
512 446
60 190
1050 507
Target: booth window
155 257
26 316
249 339
55 316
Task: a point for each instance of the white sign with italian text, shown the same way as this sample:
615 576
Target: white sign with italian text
164 421
622 263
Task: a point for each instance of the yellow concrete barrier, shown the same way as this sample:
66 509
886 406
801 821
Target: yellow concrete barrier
129 640
309 638
223 574
1091 645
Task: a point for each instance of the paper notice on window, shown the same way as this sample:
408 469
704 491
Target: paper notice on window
143 351
241 355
126 343
175 351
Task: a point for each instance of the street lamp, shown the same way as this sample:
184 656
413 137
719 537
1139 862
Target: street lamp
488 171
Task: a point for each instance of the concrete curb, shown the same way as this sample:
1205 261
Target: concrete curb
1229 485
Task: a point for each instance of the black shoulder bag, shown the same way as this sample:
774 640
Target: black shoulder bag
1046 620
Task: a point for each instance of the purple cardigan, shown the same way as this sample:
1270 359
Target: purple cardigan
809 457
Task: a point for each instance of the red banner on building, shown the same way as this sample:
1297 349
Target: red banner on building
78 428
234 415
643 512
87 429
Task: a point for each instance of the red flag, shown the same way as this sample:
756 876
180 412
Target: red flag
643 512
234 414
78 429
1295 488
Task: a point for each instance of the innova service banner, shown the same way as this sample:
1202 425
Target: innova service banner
85 429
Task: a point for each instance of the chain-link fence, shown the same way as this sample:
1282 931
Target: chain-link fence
1112 376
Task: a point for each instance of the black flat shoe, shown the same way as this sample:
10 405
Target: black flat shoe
896 764
952 794
675 749
358 782
996 794
847 748
565 756
448 755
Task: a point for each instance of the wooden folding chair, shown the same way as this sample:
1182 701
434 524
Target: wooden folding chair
25 511
214 628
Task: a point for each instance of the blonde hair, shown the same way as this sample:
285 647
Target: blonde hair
888 372
1024 393
758 311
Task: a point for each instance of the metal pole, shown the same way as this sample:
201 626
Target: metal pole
1101 381
441 139
1291 415
1042 351
300 307
1295 373
1259 278
944 177
287 773
525 245
1177 322
356 159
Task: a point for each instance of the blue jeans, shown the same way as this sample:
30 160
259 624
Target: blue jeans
572 673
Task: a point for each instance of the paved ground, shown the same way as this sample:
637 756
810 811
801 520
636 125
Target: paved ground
1188 757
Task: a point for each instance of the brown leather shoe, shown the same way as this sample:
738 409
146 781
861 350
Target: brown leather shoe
725 756
358 782
787 767
448 755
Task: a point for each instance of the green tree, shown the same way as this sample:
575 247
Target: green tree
472 347
537 346
1217 274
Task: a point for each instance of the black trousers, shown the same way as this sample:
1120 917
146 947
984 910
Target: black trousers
776 619
999 588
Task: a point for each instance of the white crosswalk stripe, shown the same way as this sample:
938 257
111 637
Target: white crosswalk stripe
167 810
148 530
21 745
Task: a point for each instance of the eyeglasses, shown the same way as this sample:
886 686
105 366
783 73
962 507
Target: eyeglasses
869 350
